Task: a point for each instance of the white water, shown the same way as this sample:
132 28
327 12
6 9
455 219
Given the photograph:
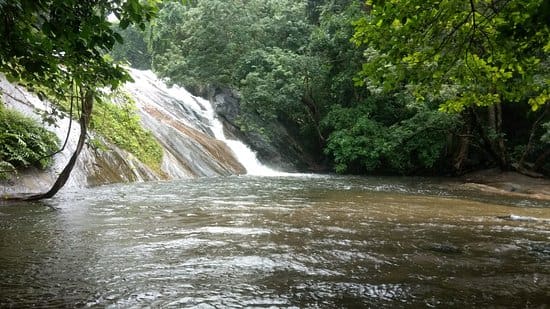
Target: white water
244 154
200 115
197 154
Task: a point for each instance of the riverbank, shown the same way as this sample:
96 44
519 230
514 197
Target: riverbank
511 184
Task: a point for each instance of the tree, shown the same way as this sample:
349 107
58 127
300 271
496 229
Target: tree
201 43
57 48
443 85
134 49
471 56
258 47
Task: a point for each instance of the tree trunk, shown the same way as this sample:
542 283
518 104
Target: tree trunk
315 117
494 117
487 146
463 146
87 102
541 160
500 145
529 146
490 145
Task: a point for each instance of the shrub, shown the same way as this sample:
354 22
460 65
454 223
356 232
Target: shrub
119 123
24 142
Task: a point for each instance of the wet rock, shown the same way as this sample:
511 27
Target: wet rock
175 118
281 150
510 184
540 250
445 248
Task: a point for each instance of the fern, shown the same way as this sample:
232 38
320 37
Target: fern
23 142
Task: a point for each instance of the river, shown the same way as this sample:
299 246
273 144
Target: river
302 241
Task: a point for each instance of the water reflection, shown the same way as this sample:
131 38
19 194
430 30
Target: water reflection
274 242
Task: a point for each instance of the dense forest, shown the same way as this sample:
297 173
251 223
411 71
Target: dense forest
392 87
385 87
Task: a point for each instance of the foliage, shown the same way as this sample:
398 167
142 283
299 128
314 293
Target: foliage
51 44
486 62
119 123
367 130
5 170
23 142
200 43
273 82
55 47
256 46
467 53
330 42
372 137
133 49
115 118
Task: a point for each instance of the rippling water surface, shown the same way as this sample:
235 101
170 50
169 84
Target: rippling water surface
309 241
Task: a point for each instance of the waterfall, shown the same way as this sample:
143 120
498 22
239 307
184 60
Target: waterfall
177 104
193 140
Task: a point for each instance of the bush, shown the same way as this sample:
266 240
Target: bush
23 142
371 137
5 170
119 123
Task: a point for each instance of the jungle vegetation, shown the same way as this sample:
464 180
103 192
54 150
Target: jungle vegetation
23 143
59 50
391 87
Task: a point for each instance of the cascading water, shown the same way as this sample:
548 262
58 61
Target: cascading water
248 158
178 106
186 126
244 154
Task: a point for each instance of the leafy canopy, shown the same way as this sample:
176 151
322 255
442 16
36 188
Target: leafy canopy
58 48
258 47
465 53
48 44
134 50
384 134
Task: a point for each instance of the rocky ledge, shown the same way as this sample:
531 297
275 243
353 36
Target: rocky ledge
510 184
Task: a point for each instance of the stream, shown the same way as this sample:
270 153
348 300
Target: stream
294 241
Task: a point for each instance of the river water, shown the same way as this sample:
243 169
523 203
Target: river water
302 241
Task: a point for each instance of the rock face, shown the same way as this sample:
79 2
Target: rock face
190 129
184 125
281 150
94 167
509 184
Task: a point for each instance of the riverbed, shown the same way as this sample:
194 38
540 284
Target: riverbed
302 241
